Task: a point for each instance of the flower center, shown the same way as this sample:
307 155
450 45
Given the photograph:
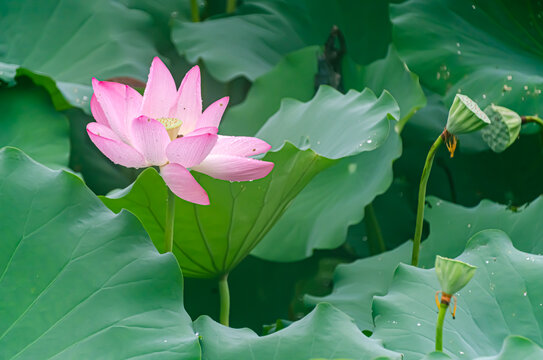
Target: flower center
172 126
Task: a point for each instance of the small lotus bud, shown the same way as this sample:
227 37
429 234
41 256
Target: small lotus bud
453 275
504 127
465 116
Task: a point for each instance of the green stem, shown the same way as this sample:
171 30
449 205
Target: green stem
194 11
224 293
534 119
170 220
439 326
375 236
230 6
422 198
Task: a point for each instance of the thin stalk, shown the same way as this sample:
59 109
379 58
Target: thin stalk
375 236
422 198
170 220
224 293
194 11
534 119
230 6
439 326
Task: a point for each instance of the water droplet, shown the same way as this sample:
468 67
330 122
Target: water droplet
486 261
469 225
459 52
364 238
369 141
197 333
473 7
507 88
537 91
461 352
165 341
352 168
484 96
438 76
525 87
418 324
457 44
509 77
525 293
85 98
459 90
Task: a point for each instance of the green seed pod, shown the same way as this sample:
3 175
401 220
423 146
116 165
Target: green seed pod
452 274
465 116
504 127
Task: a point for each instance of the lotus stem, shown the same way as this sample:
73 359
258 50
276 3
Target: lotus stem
533 119
224 293
170 220
194 11
230 6
422 198
373 230
439 326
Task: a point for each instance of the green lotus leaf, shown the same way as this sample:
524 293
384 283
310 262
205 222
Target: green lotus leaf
245 212
494 66
453 275
340 193
76 280
267 91
260 33
62 46
503 298
324 333
514 347
450 226
319 216
504 128
29 121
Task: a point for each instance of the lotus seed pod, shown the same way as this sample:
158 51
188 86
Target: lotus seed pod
452 274
465 116
504 127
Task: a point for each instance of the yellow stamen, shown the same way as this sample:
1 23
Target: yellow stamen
172 125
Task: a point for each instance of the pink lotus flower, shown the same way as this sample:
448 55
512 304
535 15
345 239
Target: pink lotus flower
166 127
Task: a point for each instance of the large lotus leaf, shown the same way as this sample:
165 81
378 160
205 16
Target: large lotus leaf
333 124
261 32
76 280
62 44
29 121
356 284
391 74
293 77
470 52
450 227
503 298
211 240
266 93
332 191
320 215
325 333
514 347
340 193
